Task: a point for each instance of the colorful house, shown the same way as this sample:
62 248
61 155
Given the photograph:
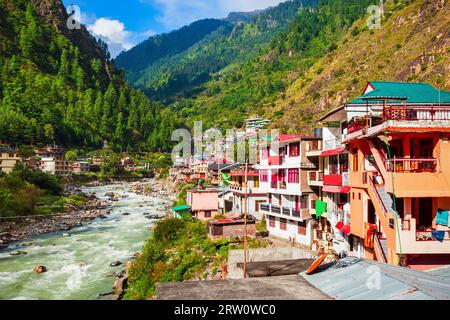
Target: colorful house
204 204
284 169
232 229
397 136
247 197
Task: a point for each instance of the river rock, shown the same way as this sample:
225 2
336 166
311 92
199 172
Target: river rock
120 274
18 253
103 217
116 264
125 214
40 269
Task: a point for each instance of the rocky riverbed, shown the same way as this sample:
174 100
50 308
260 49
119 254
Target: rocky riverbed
24 228
83 262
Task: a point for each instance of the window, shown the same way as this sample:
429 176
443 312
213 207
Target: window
207 214
217 230
264 176
355 160
302 228
294 176
256 182
272 222
294 149
359 195
304 202
283 224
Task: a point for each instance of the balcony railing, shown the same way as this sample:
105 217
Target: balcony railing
355 126
286 211
412 165
276 161
403 113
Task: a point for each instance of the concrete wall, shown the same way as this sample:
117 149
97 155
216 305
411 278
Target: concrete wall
262 255
291 232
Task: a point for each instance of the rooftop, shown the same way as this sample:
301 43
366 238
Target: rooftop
290 287
353 280
412 92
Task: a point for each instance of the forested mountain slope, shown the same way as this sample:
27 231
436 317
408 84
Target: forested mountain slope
58 85
178 72
325 58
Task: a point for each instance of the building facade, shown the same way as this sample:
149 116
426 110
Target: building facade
283 174
8 158
397 136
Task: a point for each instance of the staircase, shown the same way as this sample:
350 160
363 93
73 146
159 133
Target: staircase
386 198
383 204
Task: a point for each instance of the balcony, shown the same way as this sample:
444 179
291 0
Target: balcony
315 178
416 113
412 165
286 211
332 180
276 161
420 242
314 149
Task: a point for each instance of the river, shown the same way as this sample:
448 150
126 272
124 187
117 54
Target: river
78 261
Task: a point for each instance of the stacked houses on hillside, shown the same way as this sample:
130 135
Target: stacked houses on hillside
373 182
386 189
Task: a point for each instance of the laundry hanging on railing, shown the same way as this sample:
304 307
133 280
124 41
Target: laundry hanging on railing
438 235
442 217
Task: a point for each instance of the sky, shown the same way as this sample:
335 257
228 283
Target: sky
124 23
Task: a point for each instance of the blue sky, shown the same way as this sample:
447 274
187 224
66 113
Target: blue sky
125 23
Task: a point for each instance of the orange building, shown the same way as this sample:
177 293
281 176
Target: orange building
397 136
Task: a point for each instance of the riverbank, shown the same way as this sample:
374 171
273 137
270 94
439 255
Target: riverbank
21 229
81 263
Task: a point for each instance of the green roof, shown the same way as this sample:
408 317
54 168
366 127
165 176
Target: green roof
413 92
181 208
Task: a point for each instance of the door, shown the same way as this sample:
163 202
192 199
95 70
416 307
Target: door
425 213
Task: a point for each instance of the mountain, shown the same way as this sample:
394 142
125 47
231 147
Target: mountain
58 85
165 45
325 58
180 70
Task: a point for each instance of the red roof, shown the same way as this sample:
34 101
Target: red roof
288 137
335 189
333 152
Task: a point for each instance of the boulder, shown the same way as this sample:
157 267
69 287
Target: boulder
40 269
125 214
115 264
18 253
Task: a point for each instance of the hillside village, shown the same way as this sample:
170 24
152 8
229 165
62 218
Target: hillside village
348 190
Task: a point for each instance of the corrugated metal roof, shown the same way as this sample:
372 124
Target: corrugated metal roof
441 272
396 283
413 92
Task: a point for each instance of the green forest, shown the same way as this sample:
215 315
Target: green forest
169 67
254 85
53 92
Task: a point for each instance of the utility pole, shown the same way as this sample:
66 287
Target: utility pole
245 218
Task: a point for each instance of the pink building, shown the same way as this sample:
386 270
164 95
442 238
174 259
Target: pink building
204 204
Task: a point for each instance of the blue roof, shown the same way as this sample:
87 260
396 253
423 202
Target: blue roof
396 283
411 91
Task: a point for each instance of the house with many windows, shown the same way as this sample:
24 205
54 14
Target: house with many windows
397 138
283 174
247 196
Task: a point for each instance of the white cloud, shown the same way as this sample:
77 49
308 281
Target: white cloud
177 13
113 32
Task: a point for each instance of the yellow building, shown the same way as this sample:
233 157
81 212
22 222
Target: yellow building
8 159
